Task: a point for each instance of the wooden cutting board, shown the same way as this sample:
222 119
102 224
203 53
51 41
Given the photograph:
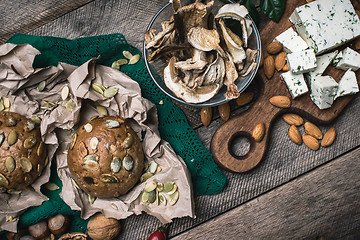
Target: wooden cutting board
262 111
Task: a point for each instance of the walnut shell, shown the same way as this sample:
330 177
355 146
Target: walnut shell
101 228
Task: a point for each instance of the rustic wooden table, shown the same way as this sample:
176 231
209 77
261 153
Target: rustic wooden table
294 193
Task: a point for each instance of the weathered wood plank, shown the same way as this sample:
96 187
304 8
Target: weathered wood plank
24 16
323 203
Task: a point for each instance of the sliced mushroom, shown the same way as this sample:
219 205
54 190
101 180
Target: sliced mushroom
156 41
250 63
198 61
215 72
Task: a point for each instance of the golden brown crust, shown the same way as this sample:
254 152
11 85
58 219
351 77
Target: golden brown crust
99 154
22 153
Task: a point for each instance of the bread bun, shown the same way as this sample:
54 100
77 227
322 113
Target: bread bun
22 152
105 157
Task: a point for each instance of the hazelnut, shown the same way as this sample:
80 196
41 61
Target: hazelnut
58 224
39 230
102 228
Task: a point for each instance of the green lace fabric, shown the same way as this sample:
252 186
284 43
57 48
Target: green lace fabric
173 126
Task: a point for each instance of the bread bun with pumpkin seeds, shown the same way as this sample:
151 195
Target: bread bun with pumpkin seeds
22 152
105 157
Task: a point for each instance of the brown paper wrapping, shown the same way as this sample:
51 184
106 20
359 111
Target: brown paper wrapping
58 122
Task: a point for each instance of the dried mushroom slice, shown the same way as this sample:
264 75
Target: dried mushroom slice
157 40
215 72
205 39
198 62
251 64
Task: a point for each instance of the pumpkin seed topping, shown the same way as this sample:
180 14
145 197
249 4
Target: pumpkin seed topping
25 164
88 127
41 148
146 176
83 151
27 179
46 161
115 165
2 107
110 92
36 119
10 122
150 186
73 141
65 93
12 137
112 123
12 191
3 180
102 110
29 126
128 163
29 142
129 141
91 157
108 178
10 164
94 143
2 138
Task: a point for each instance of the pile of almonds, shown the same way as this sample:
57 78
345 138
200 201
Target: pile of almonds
270 63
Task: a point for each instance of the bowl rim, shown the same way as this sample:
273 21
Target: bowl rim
245 85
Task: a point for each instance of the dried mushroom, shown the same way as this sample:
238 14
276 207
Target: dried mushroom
201 51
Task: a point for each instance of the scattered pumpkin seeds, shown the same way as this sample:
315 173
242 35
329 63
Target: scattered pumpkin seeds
152 197
51 186
88 127
128 163
29 142
153 167
115 165
12 137
114 206
13 191
150 186
98 88
160 187
134 59
10 164
2 107
94 143
25 164
36 119
73 141
2 138
102 110
128 141
145 176
41 86
6 102
70 105
29 126
65 93
168 186
115 65
3 180
159 169
40 149
145 196
108 178
91 199
112 123
173 198
162 198
110 92
127 54
173 190
46 161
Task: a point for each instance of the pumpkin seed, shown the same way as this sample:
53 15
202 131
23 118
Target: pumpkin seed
134 59
129 141
99 85
29 126
156 202
46 161
73 141
83 151
29 142
107 146
112 148
152 197
162 198
41 86
75 184
160 187
91 157
51 186
102 110
159 169
150 186
115 165
145 196
88 127
10 164
93 118
91 165
115 65
3 180
39 169
173 190
146 166
12 137
25 164
114 206
40 149
168 186
108 178
7 102
145 176
36 119
153 166
128 162
2 107
127 54
65 93
173 198
70 105
97 88
2 138
122 61
110 92
112 123
91 199
12 191
94 143
10 122
27 179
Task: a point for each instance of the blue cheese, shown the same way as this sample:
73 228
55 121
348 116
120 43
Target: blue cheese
326 24
348 59
323 91
295 83
301 62
347 85
291 41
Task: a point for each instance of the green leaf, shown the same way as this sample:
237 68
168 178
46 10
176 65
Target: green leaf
252 11
274 9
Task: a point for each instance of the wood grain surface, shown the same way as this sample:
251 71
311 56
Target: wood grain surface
284 161
264 112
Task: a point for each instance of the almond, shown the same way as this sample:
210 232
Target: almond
224 111
329 137
274 48
293 119
258 132
206 115
286 68
261 60
280 61
311 142
244 98
294 134
312 130
280 101
269 66
357 44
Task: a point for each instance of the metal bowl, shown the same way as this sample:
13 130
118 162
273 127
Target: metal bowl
155 69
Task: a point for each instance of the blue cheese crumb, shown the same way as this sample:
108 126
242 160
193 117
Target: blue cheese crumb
347 84
323 91
302 62
295 83
347 59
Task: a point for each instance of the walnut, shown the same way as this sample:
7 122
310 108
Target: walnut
102 228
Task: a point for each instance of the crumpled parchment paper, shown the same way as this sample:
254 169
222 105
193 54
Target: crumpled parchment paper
19 81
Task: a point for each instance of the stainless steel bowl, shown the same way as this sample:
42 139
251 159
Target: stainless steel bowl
155 69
